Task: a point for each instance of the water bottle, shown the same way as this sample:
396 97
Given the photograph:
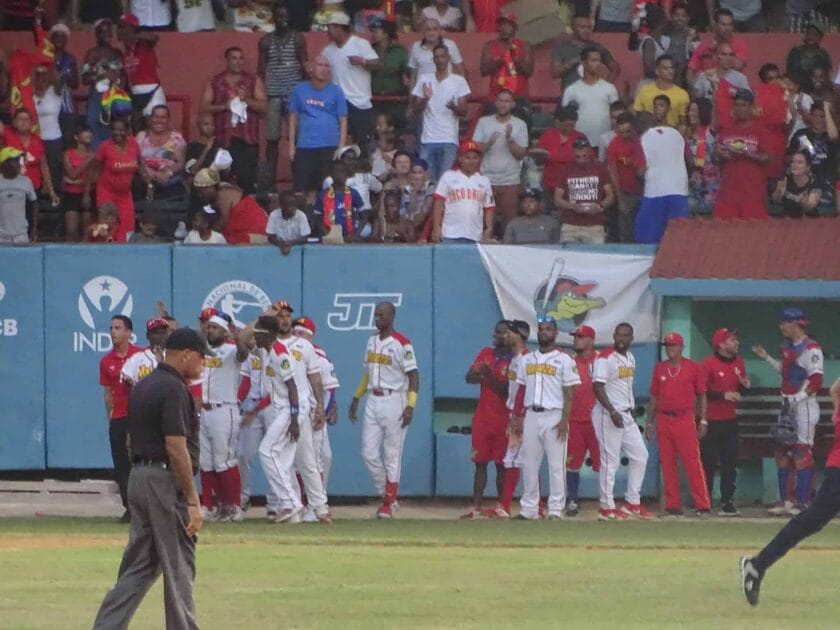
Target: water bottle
180 233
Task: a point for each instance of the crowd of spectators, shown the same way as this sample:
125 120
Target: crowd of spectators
373 128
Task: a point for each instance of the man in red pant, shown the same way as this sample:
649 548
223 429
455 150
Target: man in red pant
677 391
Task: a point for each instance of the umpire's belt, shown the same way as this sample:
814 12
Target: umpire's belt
382 392
153 463
538 409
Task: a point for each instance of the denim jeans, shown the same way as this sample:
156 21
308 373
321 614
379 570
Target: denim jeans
440 156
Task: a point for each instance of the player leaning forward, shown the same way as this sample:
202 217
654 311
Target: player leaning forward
547 380
391 381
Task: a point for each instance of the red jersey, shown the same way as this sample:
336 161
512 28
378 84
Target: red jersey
583 184
492 406
739 47
118 165
771 111
246 217
722 375
584 398
743 179
677 388
834 454
508 77
628 158
560 153
486 14
110 368
32 154
76 159
141 63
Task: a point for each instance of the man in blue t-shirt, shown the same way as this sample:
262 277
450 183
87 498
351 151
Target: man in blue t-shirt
317 127
340 206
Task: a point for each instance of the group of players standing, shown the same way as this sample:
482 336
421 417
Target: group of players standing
550 405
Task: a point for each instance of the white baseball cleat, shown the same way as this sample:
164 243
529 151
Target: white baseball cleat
209 516
287 514
236 515
781 508
309 515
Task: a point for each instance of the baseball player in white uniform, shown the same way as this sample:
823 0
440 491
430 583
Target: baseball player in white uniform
139 366
219 434
547 383
464 207
391 381
617 431
257 415
277 449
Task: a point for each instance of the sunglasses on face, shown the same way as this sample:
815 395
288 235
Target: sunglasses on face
546 319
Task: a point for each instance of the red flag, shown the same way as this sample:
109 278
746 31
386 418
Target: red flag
21 63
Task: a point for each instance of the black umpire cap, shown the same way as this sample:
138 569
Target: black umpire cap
188 339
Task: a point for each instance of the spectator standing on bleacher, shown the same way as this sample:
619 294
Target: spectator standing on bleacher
68 71
582 196
194 16
102 67
820 139
163 151
19 135
664 84
503 140
747 14
392 78
151 14
807 56
352 59
613 16
141 68
317 127
723 31
592 96
237 98
17 199
509 62
566 63
421 58
726 379
556 148
46 86
532 227
441 98
625 159
282 60
450 18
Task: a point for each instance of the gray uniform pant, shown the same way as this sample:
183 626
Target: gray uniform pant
157 543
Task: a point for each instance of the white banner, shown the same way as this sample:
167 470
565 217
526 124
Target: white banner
575 288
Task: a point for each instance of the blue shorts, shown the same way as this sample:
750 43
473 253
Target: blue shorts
654 214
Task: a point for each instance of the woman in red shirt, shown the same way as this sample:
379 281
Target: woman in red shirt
240 216
113 168
20 136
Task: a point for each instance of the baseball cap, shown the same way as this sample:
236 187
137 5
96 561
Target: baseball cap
584 332
509 17
813 26
155 323
534 193
305 324
206 177
469 146
352 147
9 153
520 327
188 339
721 335
60 27
673 339
207 313
742 94
129 19
794 315
267 324
283 305
339 18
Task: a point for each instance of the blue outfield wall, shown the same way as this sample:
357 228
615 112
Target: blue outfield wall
61 299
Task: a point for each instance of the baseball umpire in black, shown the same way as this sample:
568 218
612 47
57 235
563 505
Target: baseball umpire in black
165 511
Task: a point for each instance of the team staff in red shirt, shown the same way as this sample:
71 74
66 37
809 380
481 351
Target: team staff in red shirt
490 420
581 431
677 392
824 507
116 401
726 378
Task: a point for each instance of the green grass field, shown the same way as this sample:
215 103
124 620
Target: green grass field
432 574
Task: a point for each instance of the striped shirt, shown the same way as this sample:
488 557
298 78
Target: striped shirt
282 68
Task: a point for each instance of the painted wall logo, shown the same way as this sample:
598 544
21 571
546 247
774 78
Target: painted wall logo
242 300
565 299
100 299
354 311
8 327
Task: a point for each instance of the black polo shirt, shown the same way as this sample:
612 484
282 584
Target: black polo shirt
161 405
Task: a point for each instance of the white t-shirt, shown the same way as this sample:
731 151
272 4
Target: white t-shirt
388 362
664 149
195 15
616 372
221 375
451 19
252 19
465 199
353 80
421 59
287 229
151 12
440 124
48 108
497 162
604 144
544 375
364 183
593 107
193 237
138 366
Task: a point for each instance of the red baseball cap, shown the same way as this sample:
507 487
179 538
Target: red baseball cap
585 332
721 335
469 146
155 323
129 19
283 305
305 322
673 339
207 313
509 17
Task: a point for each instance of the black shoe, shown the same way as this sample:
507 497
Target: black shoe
126 517
728 509
750 580
673 513
703 513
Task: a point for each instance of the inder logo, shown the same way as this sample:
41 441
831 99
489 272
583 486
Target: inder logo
100 299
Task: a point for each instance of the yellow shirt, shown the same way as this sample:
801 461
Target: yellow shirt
679 101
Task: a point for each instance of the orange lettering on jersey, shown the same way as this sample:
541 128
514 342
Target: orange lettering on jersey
269 371
511 375
256 364
541 368
375 357
144 371
626 372
212 362
297 355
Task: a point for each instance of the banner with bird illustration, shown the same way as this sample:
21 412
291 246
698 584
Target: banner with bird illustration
576 288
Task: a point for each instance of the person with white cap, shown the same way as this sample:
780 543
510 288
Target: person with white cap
351 60
68 70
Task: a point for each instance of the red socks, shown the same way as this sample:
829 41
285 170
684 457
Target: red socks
390 492
230 486
208 487
511 481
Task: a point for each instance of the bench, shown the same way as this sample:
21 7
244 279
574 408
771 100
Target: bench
759 410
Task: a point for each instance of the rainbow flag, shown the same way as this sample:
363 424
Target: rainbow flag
115 102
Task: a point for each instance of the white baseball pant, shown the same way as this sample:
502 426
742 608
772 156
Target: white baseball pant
612 440
218 438
277 454
539 439
250 437
513 454
807 415
323 451
382 438
306 464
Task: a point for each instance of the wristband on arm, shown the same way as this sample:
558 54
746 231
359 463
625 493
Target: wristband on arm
362 388
294 410
412 399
